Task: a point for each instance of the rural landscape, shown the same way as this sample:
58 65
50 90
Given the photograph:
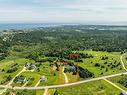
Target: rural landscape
64 60
63 47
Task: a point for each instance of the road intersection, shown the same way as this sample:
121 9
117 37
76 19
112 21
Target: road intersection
8 86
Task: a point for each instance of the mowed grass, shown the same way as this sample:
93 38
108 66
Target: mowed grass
116 79
3 75
53 77
22 92
71 77
31 83
39 92
51 91
92 88
89 63
6 65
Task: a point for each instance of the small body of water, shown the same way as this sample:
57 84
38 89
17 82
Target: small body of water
24 26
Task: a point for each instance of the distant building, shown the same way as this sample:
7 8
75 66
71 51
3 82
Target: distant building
43 79
28 64
72 68
109 62
32 67
69 69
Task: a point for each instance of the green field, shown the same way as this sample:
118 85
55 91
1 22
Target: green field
118 78
45 69
27 74
39 92
113 58
7 64
124 58
91 88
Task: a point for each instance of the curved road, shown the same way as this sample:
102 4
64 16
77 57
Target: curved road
24 68
122 90
63 85
121 59
68 84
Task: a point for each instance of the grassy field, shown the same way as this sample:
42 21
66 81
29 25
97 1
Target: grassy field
24 92
116 79
28 74
52 76
71 77
39 92
91 88
125 60
7 64
45 69
113 58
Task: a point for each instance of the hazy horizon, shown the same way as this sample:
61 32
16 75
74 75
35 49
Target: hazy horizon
112 12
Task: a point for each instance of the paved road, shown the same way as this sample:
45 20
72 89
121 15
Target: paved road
122 90
63 85
65 76
46 92
37 83
121 59
25 84
24 68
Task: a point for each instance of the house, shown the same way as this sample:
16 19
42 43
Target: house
28 64
69 69
1 91
72 68
20 79
43 79
110 63
32 67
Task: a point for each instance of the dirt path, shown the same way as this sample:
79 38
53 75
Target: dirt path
46 92
121 59
65 76
63 85
25 84
122 90
37 83
24 68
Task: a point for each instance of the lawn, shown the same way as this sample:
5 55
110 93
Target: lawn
39 92
113 59
7 64
71 77
91 88
27 74
52 76
116 79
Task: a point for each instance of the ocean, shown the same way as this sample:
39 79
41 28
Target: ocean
25 25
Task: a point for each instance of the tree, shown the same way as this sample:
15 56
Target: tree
9 78
97 65
56 93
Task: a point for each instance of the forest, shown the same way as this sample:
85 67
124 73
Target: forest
54 41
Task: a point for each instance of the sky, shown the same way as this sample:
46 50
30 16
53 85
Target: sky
64 11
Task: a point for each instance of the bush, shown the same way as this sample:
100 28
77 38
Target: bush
84 73
97 65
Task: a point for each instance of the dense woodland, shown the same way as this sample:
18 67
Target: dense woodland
52 41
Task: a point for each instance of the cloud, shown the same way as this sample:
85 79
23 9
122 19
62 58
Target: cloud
78 11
